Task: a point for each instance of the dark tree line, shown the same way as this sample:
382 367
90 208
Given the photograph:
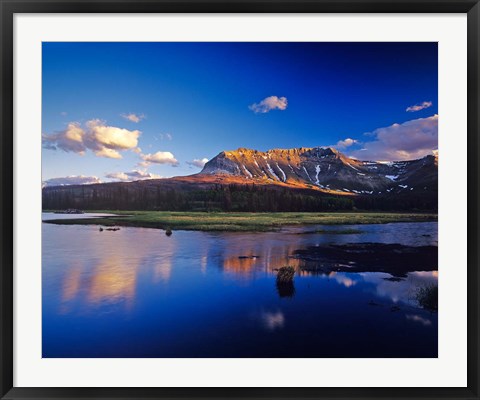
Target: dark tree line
241 198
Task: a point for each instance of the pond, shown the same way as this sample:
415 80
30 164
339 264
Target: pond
136 292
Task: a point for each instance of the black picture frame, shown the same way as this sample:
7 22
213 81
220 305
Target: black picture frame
9 8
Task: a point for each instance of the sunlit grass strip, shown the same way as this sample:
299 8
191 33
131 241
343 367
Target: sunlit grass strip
222 221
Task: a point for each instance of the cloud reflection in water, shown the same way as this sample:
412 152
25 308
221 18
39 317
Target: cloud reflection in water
381 284
272 320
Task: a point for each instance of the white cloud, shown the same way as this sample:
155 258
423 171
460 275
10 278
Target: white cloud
198 163
71 180
420 106
343 144
119 176
70 139
101 139
135 175
144 164
160 157
107 153
408 141
269 104
112 137
166 136
133 117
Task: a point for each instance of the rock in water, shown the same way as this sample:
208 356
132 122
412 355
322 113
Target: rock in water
285 274
285 286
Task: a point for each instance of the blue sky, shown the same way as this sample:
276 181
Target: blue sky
119 111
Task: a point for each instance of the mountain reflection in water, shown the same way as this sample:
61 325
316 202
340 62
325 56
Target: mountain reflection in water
138 293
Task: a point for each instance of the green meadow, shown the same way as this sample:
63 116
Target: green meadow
238 222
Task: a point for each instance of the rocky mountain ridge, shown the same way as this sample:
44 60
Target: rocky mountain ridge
293 180
325 169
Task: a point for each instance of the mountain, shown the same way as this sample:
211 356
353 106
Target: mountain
326 170
302 179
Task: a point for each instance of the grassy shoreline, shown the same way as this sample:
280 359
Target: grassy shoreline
238 222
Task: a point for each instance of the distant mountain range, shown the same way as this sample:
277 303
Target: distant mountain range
325 169
314 173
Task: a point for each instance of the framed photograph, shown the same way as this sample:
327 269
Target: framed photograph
239 200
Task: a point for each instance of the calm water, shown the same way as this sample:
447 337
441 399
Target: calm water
138 293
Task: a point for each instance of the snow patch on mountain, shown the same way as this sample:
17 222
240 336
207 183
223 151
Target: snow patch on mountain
272 172
391 177
351 166
283 173
247 171
307 173
317 170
